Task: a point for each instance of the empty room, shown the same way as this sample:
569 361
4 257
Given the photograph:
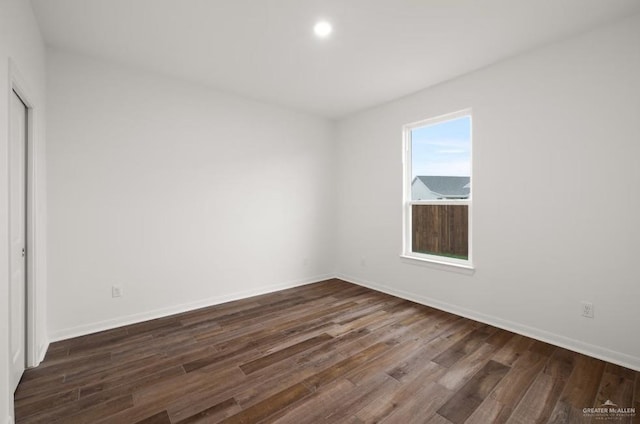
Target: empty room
322 211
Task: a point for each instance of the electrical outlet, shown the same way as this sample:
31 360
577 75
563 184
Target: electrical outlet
116 291
363 261
587 309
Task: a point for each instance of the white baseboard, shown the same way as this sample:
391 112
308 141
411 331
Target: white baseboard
37 357
595 351
43 351
85 329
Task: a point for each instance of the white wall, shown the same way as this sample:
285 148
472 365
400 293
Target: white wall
551 128
20 43
183 195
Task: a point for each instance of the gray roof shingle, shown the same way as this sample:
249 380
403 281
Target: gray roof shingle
447 186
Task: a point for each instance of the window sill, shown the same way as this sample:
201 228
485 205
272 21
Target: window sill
444 265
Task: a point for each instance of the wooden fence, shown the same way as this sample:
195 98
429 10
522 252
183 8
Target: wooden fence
441 230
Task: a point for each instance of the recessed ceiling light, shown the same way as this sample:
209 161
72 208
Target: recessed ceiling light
322 29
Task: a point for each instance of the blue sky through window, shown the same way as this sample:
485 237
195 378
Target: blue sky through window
442 149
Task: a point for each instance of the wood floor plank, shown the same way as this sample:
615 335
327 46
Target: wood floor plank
286 374
346 366
320 407
24 409
499 405
540 399
214 413
262 383
40 387
265 361
159 418
82 413
397 354
330 352
462 348
541 348
489 411
427 399
512 350
579 392
132 415
110 371
458 329
616 387
537 403
470 396
241 352
136 379
463 370
317 406
438 419
106 336
72 364
372 390
55 353
278 402
500 338
378 411
189 385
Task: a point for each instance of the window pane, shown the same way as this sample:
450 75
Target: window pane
441 230
441 160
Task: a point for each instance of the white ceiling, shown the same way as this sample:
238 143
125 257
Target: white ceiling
265 49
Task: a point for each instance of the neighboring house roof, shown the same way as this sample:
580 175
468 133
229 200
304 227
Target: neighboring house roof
447 186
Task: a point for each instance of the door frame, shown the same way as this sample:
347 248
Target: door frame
18 84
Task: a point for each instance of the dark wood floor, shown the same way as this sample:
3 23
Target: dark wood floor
330 352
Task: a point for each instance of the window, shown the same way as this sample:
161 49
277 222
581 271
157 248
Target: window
437 189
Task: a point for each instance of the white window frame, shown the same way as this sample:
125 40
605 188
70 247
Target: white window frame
407 202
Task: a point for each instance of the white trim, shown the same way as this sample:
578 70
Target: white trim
18 84
438 119
595 351
407 201
9 419
43 351
85 329
441 202
422 259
